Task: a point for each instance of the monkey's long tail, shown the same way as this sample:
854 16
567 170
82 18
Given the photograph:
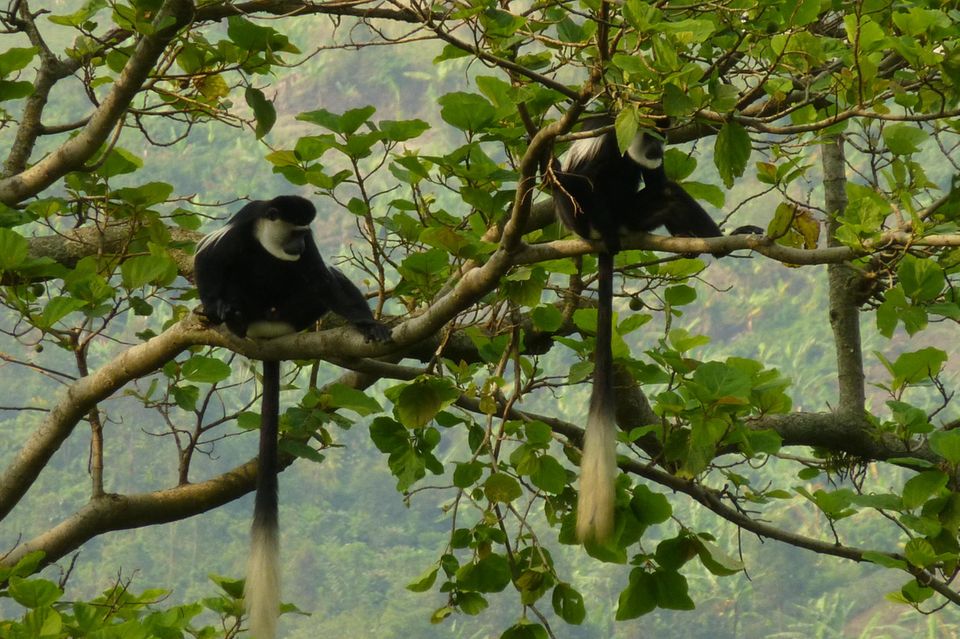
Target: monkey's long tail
598 466
262 592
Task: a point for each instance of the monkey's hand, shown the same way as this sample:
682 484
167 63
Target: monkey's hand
373 331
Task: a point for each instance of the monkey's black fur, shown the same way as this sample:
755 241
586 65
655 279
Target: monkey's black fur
262 275
597 194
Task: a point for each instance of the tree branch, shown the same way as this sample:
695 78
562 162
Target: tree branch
73 153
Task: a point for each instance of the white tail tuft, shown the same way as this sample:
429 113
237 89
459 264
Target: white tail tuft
598 472
262 592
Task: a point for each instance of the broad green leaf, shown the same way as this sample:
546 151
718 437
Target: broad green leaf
425 581
946 444
490 574
502 488
402 130
419 401
918 366
903 138
81 15
33 592
466 474
546 318
922 279
716 560
263 110
147 269
58 308
15 58
205 370
119 161
343 396
920 553
18 90
672 591
732 152
466 111
649 507
921 487
550 476
639 597
884 560
13 249
568 604
525 630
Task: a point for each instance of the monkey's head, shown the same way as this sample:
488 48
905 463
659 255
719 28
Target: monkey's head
284 227
646 150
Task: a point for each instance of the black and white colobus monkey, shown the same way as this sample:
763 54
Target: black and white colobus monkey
262 276
596 194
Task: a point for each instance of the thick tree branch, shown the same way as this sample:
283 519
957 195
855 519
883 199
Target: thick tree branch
843 287
81 396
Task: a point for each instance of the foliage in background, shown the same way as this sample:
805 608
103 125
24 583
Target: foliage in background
834 124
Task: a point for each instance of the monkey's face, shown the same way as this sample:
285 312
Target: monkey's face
281 239
646 150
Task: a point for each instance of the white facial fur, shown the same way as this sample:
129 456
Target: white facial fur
638 151
272 234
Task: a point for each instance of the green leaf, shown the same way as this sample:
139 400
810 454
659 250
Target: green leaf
252 37
922 279
147 269
402 130
466 474
301 450
672 591
546 318
490 574
16 58
550 476
920 553
946 444
263 110
13 249
732 152
419 401
118 162
81 15
680 295
466 111
626 127
918 366
525 630
649 507
717 561
34 593
884 560
639 597
921 487
343 396
538 433
425 581
568 604
903 138
676 102
15 90
58 308
205 370
502 488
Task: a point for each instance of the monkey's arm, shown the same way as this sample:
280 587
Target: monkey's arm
673 208
346 300
211 274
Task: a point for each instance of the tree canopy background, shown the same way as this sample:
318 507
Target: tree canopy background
789 452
